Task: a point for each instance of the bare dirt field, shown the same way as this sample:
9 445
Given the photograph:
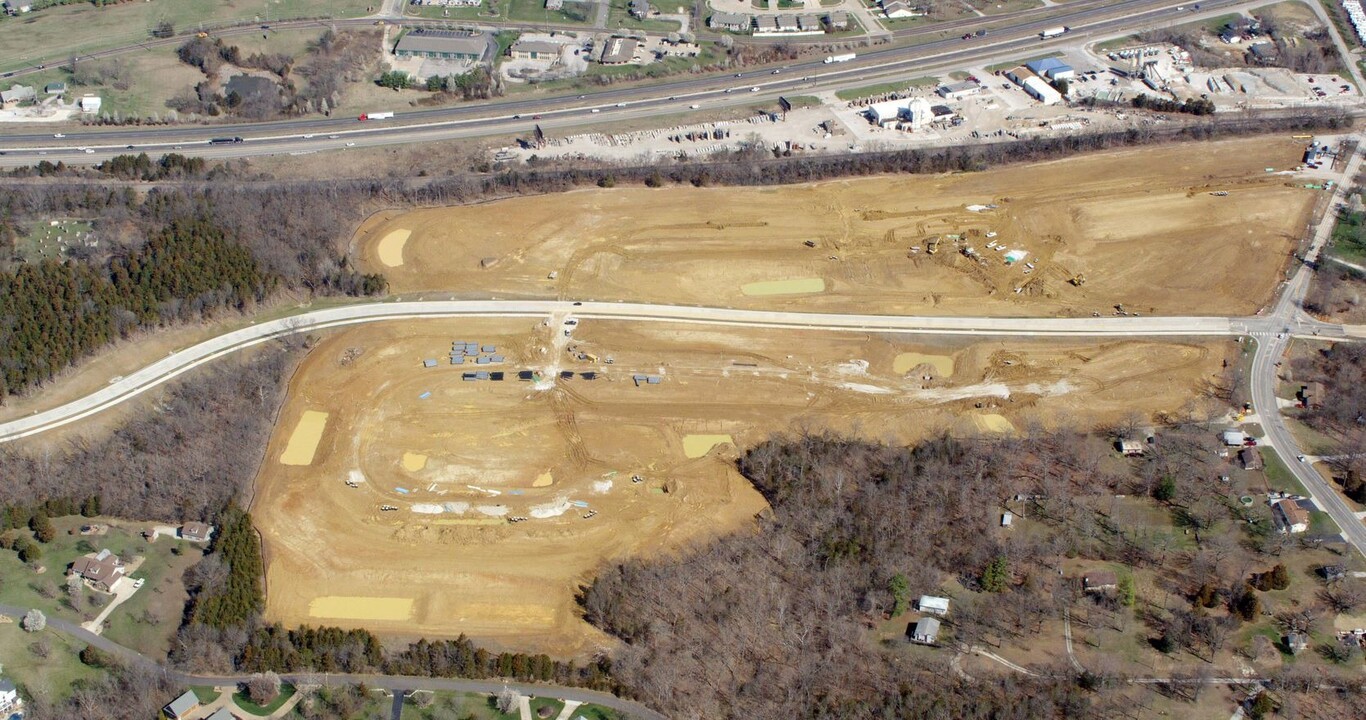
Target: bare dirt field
507 494
1143 227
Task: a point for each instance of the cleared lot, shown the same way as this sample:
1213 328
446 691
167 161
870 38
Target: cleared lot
1141 227
525 486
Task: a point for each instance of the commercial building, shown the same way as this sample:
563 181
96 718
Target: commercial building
908 114
1051 68
442 45
959 90
1041 91
618 51
535 50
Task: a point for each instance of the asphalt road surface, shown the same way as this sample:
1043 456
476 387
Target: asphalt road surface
613 104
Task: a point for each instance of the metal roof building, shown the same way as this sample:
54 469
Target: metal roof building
442 44
1052 68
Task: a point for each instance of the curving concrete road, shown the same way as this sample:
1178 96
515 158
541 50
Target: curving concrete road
180 362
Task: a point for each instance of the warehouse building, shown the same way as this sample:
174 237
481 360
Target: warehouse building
1051 68
442 45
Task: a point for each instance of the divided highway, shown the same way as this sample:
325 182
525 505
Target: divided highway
501 117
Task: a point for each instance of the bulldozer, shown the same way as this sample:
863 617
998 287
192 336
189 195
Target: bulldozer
1077 280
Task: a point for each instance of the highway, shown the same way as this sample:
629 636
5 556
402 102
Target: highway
613 104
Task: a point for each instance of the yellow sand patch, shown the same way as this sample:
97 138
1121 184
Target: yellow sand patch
304 440
545 479
468 521
784 287
390 249
413 462
943 364
992 423
695 446
361 608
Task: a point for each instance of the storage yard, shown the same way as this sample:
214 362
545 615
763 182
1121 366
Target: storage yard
434 505
1207 230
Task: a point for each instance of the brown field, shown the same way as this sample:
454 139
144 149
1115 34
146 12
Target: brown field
473 455
1140 225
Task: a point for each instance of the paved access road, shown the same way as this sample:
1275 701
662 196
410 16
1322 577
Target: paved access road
397 683
182 361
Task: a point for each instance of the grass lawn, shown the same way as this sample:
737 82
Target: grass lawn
620 17
1349 237
205 693
1320 524
803 101
41 242
1278 476
437 12
47 592
147 621
1118 43
1004 6
555 706
50 677
596 712
535 11
150 78
52 34
286 692
884 88
458 705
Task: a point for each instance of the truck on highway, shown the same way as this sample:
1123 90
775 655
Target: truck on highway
375 116
1053 32
225 140
840 58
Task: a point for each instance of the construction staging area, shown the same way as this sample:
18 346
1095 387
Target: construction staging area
417 486
422 503
1069 237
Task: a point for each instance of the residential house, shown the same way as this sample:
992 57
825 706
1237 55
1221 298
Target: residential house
898 9
221 714
1290 517
933 604
788 23
195 532
101 571
442 45
1264 52
9 696
1099 581
733 22
925 631
1296 643
182 707
17 94
1130 448
838 20
639 9
765 24
1333 573
1250 459
1234 438
554 4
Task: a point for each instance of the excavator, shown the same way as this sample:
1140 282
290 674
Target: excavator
1077 280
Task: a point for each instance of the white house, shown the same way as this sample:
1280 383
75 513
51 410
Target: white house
9 696
926 631
898 9
932 604
1290 517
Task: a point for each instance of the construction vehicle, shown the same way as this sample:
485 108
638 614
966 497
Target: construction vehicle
932 245
590 357
810 243
1077 280
201 34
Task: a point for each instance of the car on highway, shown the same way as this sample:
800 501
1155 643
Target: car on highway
775 72
535 117
754 89
621 104
729 89
333 137
58 135
350 144
1301 458
309 136
595 110
694 106
89 151
516 117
